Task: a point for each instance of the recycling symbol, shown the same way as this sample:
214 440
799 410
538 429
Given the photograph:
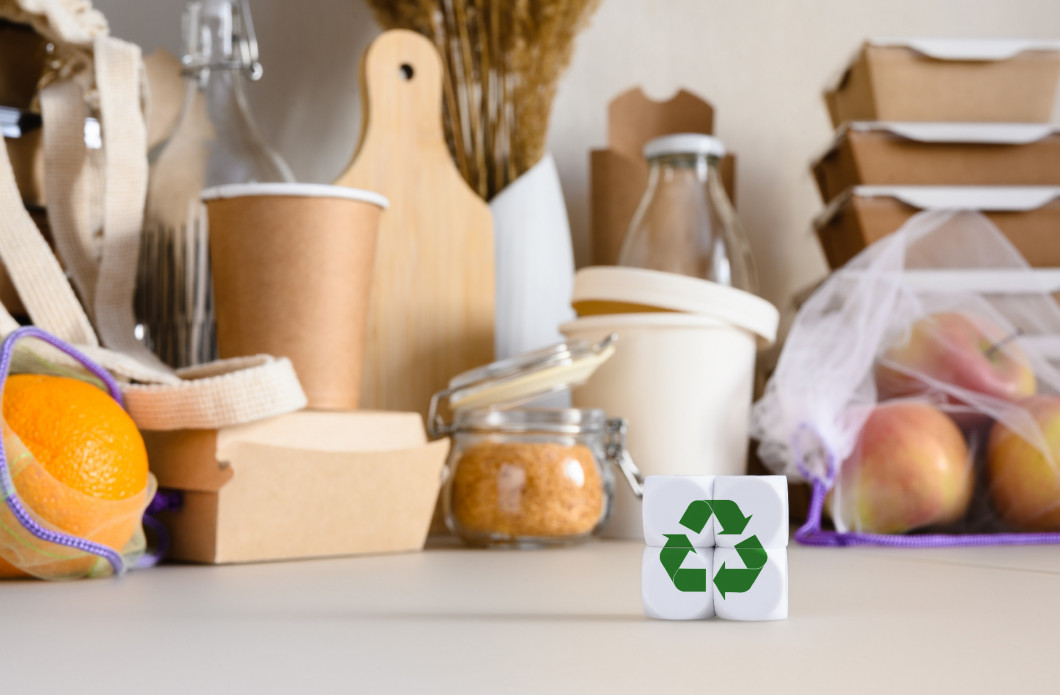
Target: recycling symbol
728 579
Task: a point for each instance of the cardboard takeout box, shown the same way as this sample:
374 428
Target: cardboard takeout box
932 154
619 174
307 484
953 79
1027 215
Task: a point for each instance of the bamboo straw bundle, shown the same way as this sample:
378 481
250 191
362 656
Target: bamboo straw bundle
503 60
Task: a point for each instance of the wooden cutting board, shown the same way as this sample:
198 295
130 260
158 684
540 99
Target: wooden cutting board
432 306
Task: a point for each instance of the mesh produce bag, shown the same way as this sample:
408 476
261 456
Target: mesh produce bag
83 533
916 393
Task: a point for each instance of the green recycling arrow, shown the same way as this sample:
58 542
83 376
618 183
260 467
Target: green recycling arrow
735 580
672 555
733 522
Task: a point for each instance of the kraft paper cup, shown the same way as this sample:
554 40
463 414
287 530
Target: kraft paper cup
292 267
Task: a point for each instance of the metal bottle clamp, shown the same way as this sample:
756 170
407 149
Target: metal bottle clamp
615 450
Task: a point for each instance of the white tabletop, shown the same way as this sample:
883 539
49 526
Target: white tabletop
451 620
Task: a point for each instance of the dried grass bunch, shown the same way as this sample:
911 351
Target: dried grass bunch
503 60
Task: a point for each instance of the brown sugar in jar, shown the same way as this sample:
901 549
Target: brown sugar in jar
529 477
524 489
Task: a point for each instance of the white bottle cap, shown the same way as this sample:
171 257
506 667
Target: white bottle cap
684 143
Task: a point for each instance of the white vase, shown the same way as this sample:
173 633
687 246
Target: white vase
535 261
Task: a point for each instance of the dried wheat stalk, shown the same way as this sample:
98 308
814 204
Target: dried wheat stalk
503 60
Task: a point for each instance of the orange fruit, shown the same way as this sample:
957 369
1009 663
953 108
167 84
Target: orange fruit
93 458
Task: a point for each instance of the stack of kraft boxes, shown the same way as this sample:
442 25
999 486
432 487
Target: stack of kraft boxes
944 124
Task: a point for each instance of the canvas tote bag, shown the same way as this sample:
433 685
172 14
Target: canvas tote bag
95 202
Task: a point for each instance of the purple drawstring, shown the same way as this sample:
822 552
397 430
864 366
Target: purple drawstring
163 501
7 486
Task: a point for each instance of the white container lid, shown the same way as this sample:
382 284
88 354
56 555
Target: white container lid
949 133
960 48
684 143
954 48
678 293
979 198
301 190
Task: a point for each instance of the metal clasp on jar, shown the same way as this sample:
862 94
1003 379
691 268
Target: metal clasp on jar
617 454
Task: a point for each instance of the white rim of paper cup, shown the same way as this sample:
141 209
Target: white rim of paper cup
678 293
296 190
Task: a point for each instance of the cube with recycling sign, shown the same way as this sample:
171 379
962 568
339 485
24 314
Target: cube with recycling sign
716 546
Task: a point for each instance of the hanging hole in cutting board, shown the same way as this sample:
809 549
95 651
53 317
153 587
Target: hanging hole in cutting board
407 72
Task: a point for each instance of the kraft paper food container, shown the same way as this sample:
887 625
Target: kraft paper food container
948 79
1027 215
307 484
618 175
684 382
931 154
292 266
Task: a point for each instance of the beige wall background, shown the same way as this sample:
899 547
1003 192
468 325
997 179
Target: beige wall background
762 63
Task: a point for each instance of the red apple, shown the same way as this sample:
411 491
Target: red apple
910 468
1024 481
962 350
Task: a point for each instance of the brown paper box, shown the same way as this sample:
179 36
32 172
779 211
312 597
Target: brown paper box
619 174
873 154
932 80
308 484
291 277
23 53
855 221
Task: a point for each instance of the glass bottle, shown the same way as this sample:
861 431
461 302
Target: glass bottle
685 223
214 142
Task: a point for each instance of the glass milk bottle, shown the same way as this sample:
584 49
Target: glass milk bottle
685 223
215 142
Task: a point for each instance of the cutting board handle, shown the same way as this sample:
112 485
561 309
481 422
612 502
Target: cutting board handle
401 94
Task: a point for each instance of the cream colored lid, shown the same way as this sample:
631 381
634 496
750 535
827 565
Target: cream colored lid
673 292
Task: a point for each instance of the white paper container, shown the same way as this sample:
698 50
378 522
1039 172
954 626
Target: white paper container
535 262
684 383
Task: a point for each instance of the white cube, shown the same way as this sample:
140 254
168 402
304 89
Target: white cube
751 505
667 500
751 583
688 595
